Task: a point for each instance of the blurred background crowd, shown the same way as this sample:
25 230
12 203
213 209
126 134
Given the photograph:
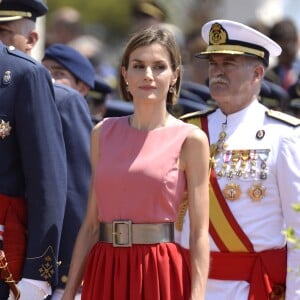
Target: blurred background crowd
99 29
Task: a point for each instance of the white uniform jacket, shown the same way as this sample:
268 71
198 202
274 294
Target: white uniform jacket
277 144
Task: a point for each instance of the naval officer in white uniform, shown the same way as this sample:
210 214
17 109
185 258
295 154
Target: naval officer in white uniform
255 172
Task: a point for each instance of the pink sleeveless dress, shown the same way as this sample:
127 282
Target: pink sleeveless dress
138 178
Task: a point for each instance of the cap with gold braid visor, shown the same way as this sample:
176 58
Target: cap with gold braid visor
12 10
229 37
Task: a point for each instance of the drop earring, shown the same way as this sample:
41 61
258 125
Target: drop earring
171 90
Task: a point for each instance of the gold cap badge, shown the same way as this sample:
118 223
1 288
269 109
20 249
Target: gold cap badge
217 35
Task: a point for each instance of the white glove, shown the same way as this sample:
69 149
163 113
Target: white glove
29 290
58 293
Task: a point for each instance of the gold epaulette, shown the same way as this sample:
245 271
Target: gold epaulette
286 118
194 117
196 114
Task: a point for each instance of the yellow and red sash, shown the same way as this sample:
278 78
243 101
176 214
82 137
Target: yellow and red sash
224 229
265 271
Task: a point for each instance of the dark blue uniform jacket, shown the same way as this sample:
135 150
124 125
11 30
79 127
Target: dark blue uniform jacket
77 126
32 157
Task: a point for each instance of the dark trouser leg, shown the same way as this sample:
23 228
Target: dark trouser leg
4 290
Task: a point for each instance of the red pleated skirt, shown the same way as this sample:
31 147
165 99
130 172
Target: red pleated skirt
141 272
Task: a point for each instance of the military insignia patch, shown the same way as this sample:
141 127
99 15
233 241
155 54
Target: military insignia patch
260 134
46 270
217 35
6 77
5 129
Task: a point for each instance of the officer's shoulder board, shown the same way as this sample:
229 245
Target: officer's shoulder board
283 117
197 114
11 50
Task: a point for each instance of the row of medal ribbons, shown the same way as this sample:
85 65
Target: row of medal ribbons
243 164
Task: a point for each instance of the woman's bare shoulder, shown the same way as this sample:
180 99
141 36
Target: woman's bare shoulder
197 135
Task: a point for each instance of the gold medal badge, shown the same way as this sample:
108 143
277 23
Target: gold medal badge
256 192
232 191
5 129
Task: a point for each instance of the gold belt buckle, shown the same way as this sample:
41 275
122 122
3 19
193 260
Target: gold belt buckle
122 233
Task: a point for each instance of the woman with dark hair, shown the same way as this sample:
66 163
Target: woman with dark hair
143 165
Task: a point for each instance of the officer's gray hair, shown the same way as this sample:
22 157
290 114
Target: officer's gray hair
26 26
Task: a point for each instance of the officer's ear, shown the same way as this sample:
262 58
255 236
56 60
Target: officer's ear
31 41
259 71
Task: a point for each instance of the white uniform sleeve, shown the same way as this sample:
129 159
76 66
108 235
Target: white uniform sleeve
289 189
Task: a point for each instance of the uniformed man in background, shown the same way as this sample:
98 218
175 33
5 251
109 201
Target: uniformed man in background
32 165
70 67
255 178
97 99
76 123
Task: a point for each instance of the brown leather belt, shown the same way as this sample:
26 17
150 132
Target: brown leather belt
125 233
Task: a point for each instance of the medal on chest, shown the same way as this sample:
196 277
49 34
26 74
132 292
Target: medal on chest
248 166
257 191
232 191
